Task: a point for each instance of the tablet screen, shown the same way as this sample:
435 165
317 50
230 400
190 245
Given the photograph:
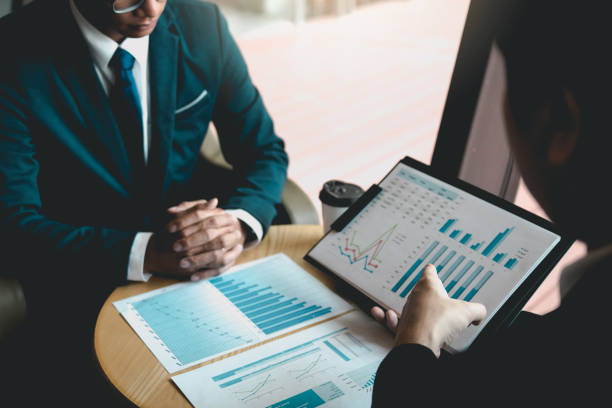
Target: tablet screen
482 252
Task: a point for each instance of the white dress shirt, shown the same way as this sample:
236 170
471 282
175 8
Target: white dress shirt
102 49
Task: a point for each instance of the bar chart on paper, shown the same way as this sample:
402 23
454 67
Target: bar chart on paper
187 323
480 251
332 364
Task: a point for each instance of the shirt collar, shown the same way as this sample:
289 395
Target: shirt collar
103 48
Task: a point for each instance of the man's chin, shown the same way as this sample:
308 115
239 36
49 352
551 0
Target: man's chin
139 31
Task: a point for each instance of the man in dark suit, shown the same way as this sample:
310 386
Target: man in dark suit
87 169
103 109
558 118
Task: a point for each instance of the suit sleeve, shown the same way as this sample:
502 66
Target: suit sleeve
524 359
247 136
36 246
408 364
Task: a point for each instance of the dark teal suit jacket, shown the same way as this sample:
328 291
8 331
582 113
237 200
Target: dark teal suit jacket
67 201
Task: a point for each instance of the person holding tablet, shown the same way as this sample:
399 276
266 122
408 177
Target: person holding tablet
557 113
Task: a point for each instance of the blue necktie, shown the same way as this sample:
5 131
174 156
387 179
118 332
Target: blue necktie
125 104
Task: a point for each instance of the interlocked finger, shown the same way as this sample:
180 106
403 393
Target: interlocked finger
193 215
211 259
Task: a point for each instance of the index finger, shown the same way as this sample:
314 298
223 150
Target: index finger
378 314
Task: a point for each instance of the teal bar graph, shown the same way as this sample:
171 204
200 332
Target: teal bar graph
496 241
190 325
306 399
454 266
499 257
478 286
225 283
250 294
458 277
246 304
442 264
266 360
230 288
413 282
269 310
466 239
262 314
510 263
447 225
477 245
193 321
414 266
438 254
260 370
273 322
293 322
455 234
336 350
467 283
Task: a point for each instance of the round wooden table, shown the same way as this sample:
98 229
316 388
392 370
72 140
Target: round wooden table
128 363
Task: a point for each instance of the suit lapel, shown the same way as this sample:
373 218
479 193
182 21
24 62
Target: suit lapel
163 67
75 68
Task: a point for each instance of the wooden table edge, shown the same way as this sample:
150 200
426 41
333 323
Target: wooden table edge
315 230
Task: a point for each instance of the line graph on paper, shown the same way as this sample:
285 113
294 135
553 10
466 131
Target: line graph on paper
304 371
257 389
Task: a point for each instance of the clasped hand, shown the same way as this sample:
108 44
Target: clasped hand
430 317
199 241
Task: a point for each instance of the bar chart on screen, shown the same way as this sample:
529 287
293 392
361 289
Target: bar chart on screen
188 323
479 250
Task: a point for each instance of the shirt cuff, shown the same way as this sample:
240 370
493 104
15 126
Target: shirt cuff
137 255
250 222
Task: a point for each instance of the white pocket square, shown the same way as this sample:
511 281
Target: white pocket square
192 103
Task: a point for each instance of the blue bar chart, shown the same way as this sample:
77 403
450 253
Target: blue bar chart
459 275
268 309
447 225
414 266
329 364
187 323
461 234
510 263
499 238
499 257
467 282
179 318
444 276
455 234
414 280
442 264
478 286
466 239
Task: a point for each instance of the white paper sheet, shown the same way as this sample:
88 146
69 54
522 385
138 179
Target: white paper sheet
188 323
332 364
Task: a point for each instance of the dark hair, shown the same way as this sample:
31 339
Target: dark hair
552 45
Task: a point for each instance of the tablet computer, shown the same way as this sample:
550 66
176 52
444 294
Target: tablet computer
484 248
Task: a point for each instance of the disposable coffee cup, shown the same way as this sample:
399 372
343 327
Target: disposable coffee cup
336 196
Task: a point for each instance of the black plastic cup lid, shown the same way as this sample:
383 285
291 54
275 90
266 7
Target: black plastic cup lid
337 193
